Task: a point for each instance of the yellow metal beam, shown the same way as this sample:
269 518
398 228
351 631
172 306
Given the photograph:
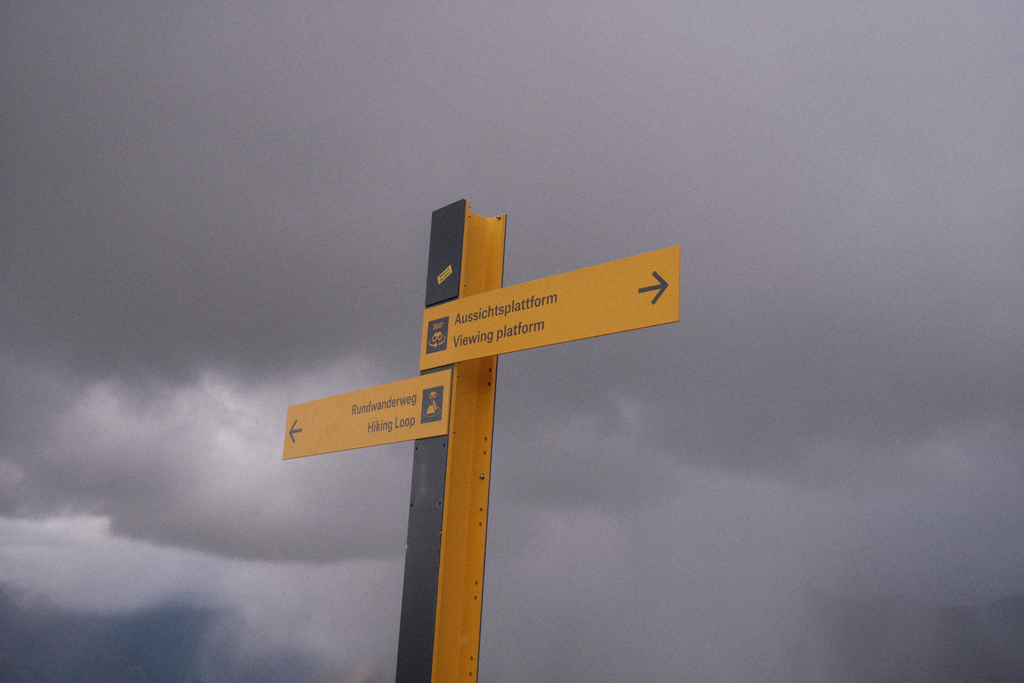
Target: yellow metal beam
467 484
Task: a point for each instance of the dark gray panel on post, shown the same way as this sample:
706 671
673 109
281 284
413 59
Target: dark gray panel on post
429 471
419 598
429 465
444 262
422 560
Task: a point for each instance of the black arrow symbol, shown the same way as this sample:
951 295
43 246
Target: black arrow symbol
293 431
661 287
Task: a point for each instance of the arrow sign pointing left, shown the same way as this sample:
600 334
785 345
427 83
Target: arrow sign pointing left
413 408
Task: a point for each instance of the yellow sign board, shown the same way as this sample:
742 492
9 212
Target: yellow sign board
639 291
413 408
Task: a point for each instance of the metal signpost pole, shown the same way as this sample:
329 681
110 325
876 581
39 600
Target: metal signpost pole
470 319
439 636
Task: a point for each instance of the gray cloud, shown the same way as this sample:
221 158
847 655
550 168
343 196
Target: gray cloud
208 213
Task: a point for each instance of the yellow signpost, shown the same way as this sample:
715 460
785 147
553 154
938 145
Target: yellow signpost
639 291
413 408
468 321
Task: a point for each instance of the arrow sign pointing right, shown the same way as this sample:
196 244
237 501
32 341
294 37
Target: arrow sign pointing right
576 305
661 287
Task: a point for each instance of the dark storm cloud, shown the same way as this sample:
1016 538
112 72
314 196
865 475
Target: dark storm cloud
200 467
192 187
187 187
851 238
210 212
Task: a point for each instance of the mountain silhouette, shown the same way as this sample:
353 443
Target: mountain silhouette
170 643
895 639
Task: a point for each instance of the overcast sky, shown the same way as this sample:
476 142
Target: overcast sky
210 211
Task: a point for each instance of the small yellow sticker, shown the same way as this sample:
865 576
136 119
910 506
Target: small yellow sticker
444 274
